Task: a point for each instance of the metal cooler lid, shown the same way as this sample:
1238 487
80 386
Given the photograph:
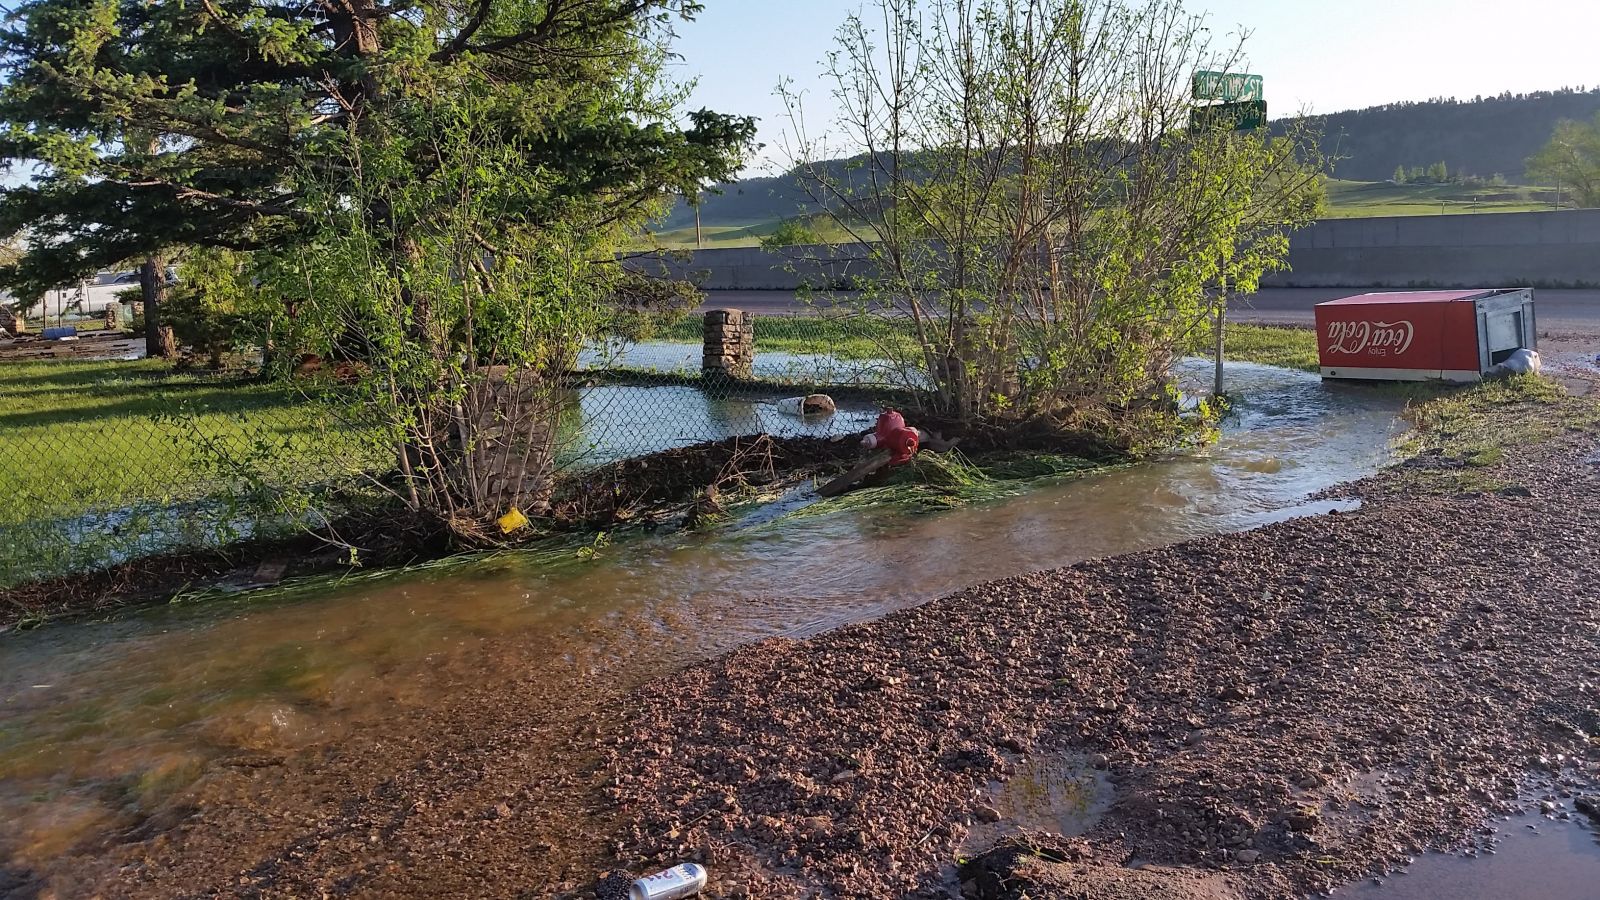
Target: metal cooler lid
1414 297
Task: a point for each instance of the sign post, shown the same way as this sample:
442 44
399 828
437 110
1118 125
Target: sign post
1237 102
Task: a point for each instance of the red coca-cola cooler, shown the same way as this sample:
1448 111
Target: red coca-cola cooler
1423 335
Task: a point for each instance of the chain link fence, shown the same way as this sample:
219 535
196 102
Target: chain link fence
102 461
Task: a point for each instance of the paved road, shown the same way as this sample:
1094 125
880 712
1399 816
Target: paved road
1559 310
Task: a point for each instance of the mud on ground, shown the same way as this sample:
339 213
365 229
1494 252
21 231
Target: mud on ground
1280 711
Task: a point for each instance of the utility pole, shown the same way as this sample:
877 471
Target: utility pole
699 238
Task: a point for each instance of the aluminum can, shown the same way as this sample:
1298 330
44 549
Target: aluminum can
684 880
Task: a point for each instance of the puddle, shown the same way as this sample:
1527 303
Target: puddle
1059 794
103 724
770 365
1553 859
612 422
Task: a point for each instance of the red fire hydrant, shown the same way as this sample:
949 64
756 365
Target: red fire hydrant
892 434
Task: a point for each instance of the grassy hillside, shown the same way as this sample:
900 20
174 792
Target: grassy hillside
1482 136
1362 199
1346 200
732 234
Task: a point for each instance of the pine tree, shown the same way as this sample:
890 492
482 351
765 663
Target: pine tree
195 122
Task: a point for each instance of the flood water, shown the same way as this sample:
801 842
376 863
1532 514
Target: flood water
1535 857
104 723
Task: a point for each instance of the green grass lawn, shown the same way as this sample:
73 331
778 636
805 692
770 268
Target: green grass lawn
734 234
873 337
1273 345
138 445
1365 199
83 435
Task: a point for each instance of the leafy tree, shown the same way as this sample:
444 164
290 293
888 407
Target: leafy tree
440 182
1438 173
216 305
1032 199
791 232
191 122
1399 175
1572 158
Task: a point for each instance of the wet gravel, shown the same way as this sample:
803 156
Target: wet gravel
1286 709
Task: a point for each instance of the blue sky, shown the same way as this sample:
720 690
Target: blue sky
1322 57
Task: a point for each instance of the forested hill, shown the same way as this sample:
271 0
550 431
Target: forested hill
1483 136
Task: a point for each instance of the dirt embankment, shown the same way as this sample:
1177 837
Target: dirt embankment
1280 711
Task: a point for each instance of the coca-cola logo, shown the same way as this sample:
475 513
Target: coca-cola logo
1379 338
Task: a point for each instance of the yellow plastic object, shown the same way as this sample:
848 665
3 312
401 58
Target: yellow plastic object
511 521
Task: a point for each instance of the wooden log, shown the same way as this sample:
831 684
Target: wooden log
854 477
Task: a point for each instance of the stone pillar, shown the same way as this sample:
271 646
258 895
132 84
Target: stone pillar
113 314
730 345
11 323
136 316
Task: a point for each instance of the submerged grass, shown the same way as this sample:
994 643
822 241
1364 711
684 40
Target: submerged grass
934 481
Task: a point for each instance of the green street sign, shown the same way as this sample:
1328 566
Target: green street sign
1247 115
1227 87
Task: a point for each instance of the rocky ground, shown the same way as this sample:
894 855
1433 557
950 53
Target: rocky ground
1279 711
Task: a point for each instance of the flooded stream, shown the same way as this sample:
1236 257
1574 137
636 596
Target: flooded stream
103 725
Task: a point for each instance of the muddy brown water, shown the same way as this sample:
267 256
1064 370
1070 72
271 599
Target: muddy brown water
105 724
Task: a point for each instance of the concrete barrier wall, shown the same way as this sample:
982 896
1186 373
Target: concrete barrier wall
1539 249
1542 249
